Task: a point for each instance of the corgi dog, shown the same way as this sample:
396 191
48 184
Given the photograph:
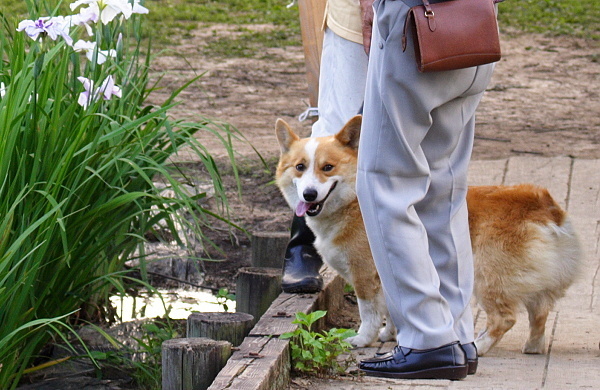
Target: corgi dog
525 249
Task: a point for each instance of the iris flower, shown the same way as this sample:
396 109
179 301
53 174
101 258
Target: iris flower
90 94
83 19
109 9
89 47
47 26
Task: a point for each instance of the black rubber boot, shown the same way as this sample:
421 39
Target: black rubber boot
302 263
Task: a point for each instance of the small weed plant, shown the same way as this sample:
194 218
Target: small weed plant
223 296
148 371
316 353
142 360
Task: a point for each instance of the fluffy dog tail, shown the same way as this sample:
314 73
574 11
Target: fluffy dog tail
568 251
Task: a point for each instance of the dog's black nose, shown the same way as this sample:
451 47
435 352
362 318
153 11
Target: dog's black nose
310 194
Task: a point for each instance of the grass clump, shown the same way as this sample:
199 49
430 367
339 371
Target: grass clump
246 43
176 18
84 167
577 18
570 17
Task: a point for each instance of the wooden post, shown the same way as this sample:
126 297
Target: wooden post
232 327
192 363
268 248
311 23
256 289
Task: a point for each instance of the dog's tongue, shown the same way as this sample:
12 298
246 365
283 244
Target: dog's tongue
302 208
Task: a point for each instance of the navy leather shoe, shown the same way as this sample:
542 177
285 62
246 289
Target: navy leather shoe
446 362
471 353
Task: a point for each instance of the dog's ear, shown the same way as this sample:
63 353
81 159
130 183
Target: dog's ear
350 133
285 135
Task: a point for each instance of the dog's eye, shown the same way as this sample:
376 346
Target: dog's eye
300 167
327 168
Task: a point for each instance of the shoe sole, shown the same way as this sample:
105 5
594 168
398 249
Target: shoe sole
472 365
302 287
451 373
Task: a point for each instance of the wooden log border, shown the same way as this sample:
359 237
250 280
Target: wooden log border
262 361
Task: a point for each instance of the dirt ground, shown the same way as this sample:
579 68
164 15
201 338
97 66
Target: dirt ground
544 99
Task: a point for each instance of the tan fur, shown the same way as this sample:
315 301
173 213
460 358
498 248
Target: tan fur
525 249
526 252
351 236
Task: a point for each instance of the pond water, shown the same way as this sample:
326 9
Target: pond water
180 304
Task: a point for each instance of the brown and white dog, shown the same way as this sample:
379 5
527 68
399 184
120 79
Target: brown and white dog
525 249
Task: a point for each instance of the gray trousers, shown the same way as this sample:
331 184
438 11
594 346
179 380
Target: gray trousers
414 153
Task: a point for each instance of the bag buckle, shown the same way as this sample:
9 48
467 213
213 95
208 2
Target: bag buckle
430 15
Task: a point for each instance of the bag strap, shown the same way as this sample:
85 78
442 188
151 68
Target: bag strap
428 10
430 15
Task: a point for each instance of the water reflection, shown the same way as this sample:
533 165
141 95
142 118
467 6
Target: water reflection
181 304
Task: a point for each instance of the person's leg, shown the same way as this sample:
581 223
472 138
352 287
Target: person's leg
342 80
447 148
395 177
341 93
448 232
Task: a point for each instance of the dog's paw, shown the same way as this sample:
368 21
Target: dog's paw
359 341
537 346
387 333
484 343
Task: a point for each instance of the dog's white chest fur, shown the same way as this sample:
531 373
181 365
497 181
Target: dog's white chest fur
334 255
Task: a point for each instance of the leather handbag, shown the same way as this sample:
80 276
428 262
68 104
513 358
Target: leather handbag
453 34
